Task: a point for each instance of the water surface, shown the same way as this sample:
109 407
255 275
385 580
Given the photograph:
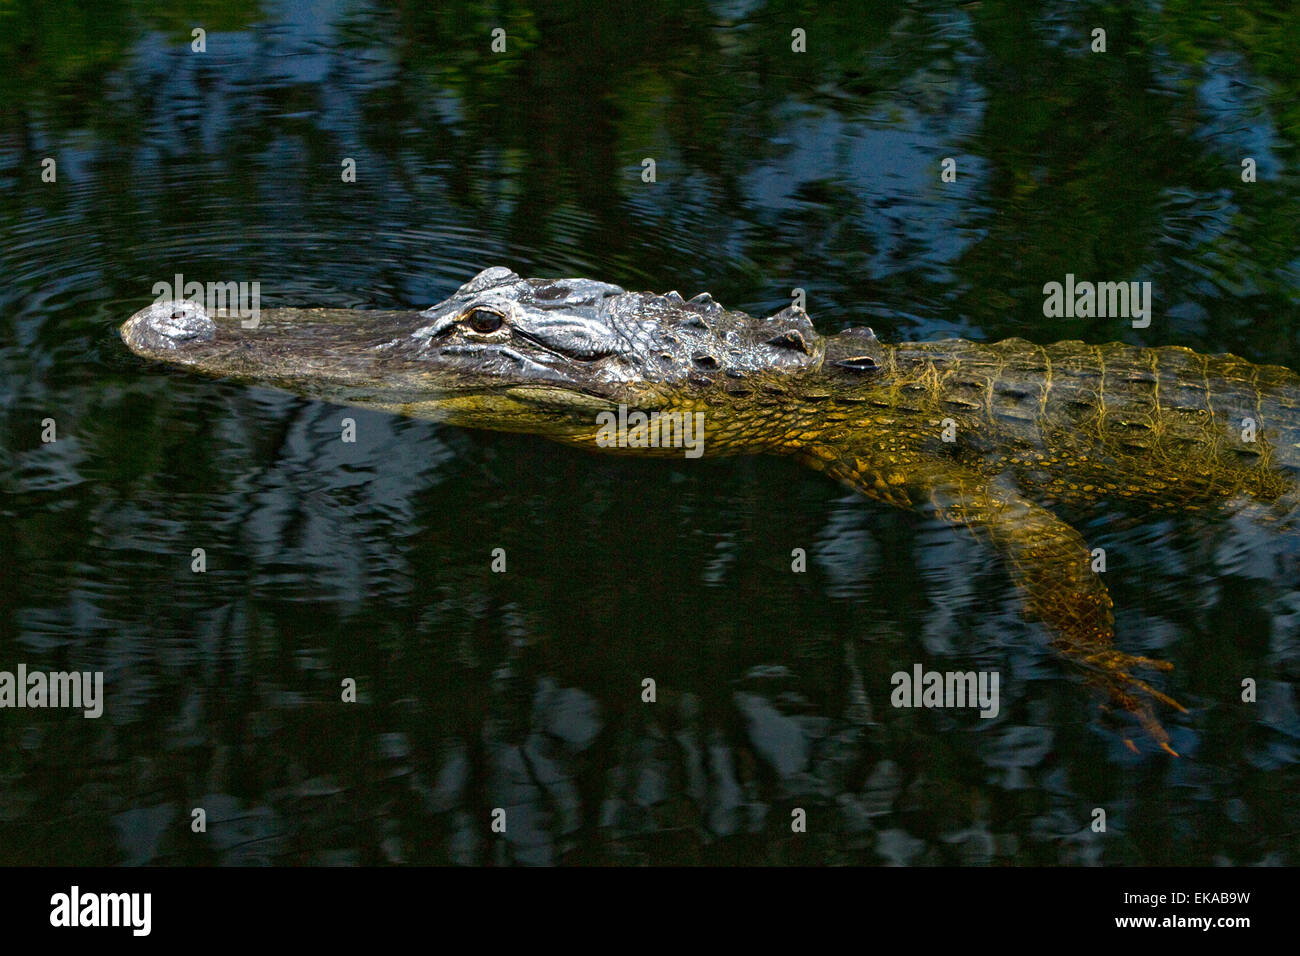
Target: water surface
370 561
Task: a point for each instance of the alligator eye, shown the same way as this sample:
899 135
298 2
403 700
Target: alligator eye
484 322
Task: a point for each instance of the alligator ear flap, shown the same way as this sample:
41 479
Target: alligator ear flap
859 363
789 339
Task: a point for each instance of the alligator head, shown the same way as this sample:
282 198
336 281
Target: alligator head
503 352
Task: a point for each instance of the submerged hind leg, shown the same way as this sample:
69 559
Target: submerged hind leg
1051 564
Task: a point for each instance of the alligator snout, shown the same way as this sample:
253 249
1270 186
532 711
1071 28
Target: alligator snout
166 326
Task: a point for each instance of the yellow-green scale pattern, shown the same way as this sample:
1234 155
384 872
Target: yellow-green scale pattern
991 436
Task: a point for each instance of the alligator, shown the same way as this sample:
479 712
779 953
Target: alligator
994 437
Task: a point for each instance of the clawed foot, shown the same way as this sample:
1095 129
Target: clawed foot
1111 671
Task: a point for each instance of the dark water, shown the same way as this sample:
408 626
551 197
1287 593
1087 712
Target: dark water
523 690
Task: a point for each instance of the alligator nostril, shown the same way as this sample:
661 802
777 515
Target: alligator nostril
185 324
170 326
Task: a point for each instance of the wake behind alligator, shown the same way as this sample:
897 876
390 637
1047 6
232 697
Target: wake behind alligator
989 436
